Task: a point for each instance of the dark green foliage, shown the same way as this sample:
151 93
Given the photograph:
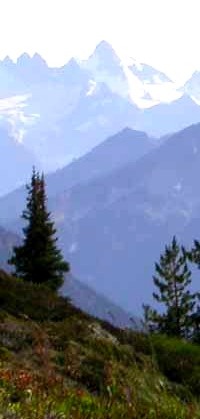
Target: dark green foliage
65 331
179 361
32 301
113 352
92 373
38 260
172 280
194 256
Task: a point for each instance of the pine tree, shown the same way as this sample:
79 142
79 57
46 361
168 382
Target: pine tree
172 280
194 256
38 259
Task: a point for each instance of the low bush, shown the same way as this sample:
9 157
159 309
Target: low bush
179 361
38 303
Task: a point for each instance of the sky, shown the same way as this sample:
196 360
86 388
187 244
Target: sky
162 33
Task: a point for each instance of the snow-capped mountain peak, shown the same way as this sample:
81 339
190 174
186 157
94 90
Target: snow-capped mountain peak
106 55
61 113
106 67
140 83
192 87
149 86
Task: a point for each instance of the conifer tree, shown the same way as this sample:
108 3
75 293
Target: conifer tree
38 259
194 257
172 280
194 254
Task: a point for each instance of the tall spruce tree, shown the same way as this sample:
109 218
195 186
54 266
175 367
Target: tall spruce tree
38 259
172 280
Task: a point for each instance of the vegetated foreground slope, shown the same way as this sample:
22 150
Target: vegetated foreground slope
57 362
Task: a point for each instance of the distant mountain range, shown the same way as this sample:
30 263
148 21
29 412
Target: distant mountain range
116 151
117 199
15 161
7 241
97 304
114 228
114 224
60 114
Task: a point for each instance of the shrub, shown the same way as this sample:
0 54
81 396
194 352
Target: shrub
92 373
179 361
34 301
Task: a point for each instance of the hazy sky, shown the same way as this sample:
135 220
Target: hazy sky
163 33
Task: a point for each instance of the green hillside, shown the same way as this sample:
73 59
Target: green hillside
57 362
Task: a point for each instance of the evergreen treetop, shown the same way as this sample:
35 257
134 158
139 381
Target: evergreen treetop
38 259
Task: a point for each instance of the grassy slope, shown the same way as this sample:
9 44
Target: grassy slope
57 362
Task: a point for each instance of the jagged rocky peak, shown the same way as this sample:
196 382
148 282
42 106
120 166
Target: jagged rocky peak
38 59
106 67
26 60
105 50
32 69
74 73
7 62
72 64
104 55
23 59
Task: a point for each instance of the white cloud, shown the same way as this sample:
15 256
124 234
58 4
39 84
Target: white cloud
164 33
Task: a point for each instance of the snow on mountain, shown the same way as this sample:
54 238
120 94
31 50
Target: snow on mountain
106 67
60 114
140 83
13 111
147 74
192 87
149 86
